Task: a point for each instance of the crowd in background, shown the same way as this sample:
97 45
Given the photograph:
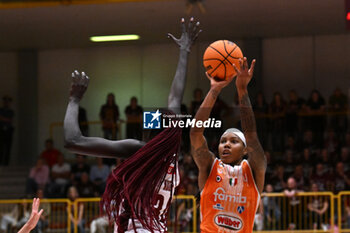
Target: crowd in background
306 142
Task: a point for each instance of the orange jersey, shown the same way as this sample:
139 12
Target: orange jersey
229 199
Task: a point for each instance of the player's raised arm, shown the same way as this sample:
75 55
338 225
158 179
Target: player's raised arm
94 146
188 36
257 159
199 147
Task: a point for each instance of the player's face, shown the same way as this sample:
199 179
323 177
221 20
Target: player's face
231 148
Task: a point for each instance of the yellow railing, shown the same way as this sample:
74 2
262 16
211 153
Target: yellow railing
283 212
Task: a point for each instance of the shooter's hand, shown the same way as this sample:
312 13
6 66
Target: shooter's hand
80 82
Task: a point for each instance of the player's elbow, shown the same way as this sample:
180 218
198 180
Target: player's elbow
70 142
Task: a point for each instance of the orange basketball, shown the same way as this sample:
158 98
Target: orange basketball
219 57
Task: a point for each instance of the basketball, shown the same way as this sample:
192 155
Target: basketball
219 57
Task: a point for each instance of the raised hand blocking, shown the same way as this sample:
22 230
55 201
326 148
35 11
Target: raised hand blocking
188 36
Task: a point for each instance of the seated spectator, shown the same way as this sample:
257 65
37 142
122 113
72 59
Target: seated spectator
341 180
78 222
279 178
294 105
272 211
50 154
261 109
345 158
308 141
38 177
16 218
320 177
308 161
99 225
85 187
316 120
331 141
318 207
326 161
338 103
78 168
301 180
60 174
289 162
277 111
99 174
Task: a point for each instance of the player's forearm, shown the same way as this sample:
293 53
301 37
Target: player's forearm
249 128
71 125
205 109
178 85
25 229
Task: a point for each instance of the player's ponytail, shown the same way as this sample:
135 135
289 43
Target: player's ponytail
137 182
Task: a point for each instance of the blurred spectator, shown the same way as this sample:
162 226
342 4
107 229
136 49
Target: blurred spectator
338 105
291 145
272 211
75 222
50 154
277 112
320 178
331 141
293 204
197 101
109 115
279 179
16 218
83 122
326 161
318 207
133 114
261 109
308 141
60 178
78 168
99 225
289 162
85 187
185 210
43 222
316 120
308 161
6 130
341 180
99 174
38 177
301 180
270 166
345 158
293 108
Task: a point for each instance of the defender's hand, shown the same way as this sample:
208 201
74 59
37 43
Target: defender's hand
245 74
80 82
35 215
188 35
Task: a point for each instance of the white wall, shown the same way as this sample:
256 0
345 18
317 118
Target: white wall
304 63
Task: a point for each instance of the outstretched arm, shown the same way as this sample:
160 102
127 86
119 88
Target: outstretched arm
257 159
94 146
34 217
185 42
199 147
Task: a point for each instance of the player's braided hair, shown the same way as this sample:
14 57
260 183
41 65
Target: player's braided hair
132 188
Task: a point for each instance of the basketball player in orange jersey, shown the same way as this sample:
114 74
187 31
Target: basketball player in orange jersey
230 186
